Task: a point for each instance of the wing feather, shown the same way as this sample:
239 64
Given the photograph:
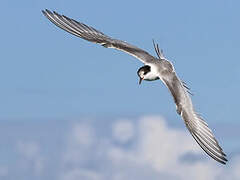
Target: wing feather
195 124
91 34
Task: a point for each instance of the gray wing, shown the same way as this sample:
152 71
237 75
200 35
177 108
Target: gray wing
196 125
90 34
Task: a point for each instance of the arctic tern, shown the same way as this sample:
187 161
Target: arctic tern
154 68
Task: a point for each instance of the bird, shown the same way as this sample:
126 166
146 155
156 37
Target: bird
154 68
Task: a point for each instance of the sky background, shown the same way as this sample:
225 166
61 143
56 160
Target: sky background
74 110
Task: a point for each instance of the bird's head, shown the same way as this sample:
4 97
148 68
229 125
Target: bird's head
142 72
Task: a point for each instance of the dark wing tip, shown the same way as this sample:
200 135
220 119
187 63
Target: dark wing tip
54 12
46 12
219 158
204 136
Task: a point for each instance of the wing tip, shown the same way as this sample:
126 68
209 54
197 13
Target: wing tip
46 12
222 158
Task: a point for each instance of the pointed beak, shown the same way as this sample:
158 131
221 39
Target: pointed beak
140 80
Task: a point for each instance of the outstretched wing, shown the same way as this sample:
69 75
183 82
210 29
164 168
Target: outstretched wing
196 125
90 34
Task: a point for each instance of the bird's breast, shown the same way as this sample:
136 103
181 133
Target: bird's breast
151 77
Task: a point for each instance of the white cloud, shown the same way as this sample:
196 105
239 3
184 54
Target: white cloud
28 149
32 158
82 135
236 167
233 172
155 146
123 130
144 148
83 174
79 142
161 146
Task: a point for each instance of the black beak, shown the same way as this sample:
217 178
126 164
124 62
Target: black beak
140 80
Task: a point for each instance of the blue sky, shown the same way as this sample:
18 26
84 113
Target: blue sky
54 79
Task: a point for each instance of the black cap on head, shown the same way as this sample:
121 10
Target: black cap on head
145 69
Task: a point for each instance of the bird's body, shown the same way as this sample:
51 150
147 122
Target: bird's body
153 69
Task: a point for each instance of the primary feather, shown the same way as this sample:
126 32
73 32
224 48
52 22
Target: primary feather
90 34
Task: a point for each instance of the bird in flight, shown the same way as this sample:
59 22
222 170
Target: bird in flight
154 68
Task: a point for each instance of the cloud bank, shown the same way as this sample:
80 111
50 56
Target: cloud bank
146 148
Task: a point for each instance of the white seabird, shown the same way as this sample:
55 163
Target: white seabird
153 69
